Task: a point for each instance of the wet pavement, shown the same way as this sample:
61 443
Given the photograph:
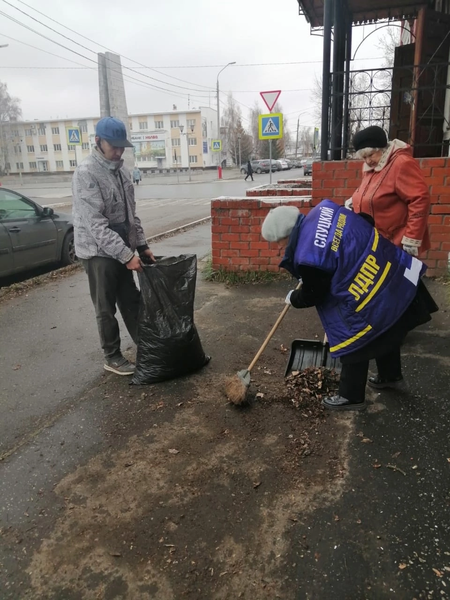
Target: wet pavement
166 491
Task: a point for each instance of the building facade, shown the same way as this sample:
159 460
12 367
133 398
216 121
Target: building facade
161 141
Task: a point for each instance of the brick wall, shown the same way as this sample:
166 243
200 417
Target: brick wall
236 222
337 180
278 190
237 244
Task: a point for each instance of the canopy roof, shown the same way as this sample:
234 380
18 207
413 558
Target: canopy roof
364 11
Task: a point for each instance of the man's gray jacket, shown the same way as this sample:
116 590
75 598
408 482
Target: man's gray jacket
100 188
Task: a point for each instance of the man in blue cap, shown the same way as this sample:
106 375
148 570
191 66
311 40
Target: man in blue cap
107 234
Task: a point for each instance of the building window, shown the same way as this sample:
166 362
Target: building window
41 130
44 148
28 132
33 165
73 163
130 126
190 122
159 124
19 165
174 124
60 164
84 128
57 147
85 145
55 130
71 148
143 125
192 159
15 133
192 141
176 142
30 148
17 150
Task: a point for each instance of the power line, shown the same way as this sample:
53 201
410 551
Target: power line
94 42
153 86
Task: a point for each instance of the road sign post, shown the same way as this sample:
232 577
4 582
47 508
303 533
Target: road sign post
270 128
270 99
73 136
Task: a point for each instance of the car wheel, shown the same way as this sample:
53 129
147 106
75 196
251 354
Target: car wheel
68 256
259 171
243 171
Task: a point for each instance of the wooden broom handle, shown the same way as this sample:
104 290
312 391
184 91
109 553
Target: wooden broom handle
272 331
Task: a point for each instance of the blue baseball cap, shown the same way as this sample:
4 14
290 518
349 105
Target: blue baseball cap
113 131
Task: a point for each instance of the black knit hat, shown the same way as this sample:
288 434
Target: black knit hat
371 137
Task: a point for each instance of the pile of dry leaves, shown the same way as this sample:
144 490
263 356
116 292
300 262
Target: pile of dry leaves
305 389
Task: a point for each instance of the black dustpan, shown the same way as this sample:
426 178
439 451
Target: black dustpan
310 353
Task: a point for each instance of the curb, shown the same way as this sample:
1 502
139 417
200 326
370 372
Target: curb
171 232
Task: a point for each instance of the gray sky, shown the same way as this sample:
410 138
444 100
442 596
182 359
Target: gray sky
195 38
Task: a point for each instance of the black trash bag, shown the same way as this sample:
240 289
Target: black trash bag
169 345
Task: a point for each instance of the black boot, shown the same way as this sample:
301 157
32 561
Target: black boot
378 383
340 403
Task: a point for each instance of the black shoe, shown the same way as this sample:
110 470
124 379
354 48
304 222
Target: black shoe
379 384
340 403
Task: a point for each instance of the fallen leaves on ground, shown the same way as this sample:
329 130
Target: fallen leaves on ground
307 388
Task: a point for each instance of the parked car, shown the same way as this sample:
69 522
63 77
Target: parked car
282 164
254 164
296 163
31 235
263 166
307 166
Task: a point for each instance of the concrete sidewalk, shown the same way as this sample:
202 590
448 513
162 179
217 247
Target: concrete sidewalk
167 491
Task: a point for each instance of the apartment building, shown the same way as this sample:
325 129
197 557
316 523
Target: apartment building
174 139
161 141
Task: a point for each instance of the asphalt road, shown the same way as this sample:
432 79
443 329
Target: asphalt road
164 204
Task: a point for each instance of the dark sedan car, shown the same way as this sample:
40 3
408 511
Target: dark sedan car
31 236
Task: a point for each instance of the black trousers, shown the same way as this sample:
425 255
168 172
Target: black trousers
111 284
352 384
249 175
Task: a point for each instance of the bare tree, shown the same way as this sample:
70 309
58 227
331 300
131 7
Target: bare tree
306 140
242 145
231 121
255 111
10 111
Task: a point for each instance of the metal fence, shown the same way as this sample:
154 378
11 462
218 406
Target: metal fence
409 102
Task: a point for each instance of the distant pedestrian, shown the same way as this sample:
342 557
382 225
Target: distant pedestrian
136 175
249 171
107 234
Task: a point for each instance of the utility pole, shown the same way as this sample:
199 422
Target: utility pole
296 140
240 159
219 137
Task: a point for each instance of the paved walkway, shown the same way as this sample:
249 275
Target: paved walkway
167 491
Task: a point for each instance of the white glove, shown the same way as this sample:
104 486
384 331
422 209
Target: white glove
412 250
288 298
349 203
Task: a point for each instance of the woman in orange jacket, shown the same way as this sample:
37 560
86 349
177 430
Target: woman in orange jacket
393 190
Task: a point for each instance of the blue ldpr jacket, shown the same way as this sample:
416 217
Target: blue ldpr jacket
372 281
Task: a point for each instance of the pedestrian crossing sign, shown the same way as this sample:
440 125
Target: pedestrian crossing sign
216 145
73 135
271 126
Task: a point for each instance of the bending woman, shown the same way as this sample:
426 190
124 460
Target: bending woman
368 292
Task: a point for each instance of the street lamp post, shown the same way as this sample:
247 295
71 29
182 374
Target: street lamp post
239 141
219 137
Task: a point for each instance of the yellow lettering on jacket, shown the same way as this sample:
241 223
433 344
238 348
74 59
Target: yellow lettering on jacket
365 278
338 232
